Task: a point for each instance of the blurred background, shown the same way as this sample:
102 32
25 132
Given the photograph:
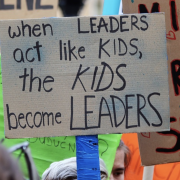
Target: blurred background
79 7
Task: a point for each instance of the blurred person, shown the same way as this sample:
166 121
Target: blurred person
71 7
9 169
121 162
67 170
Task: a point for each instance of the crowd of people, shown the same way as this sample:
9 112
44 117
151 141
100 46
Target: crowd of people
65 169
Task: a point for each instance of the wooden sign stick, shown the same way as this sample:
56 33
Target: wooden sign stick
87 152
148 173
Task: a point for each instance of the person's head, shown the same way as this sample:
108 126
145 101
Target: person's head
121 162
8 166
67 170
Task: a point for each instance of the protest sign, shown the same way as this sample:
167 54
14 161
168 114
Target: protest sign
18 9
62 147
84 76
157 148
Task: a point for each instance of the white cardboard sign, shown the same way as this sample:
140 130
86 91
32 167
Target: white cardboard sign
84 75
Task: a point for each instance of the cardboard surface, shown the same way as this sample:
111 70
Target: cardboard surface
27 9
62 147
73 80
163 147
